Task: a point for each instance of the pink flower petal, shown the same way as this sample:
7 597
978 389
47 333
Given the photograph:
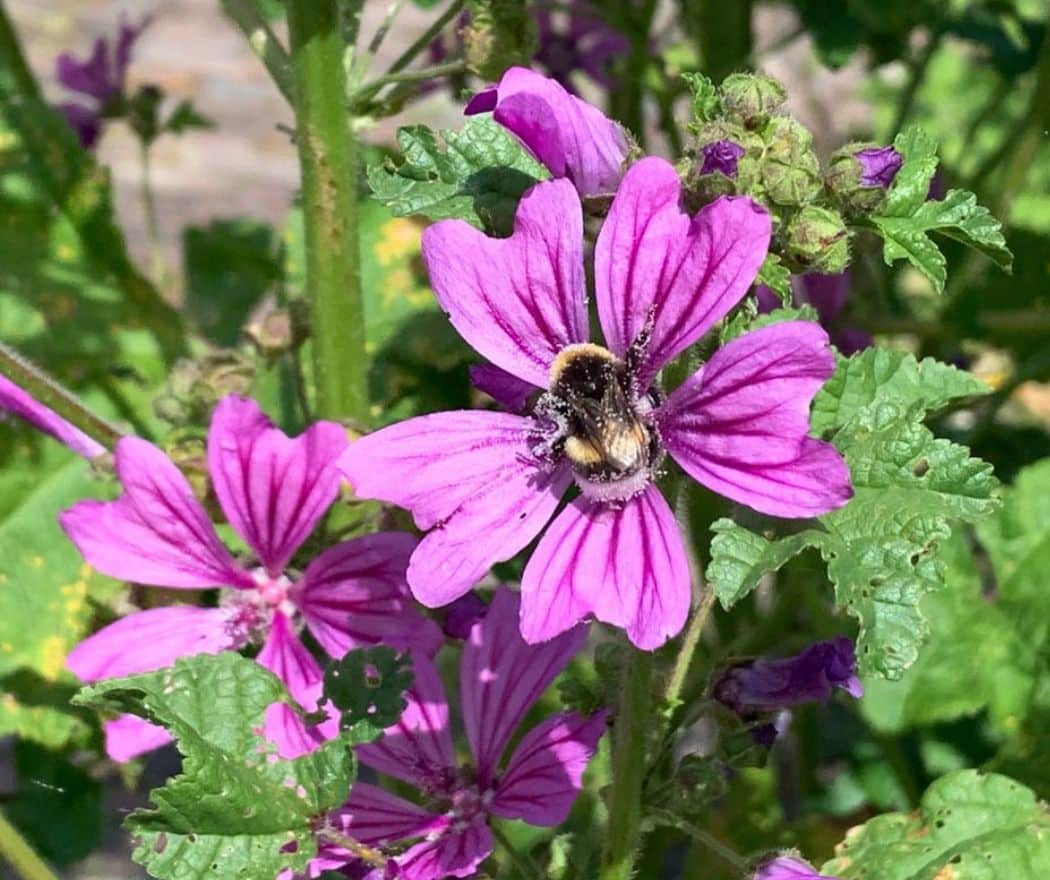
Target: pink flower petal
472 478
17 402
572 138
506 389
373 815
453 854
287 658
272 488
418 749
625 564
149 640
518 301
355 594
128 736
740 425
653 261
156 532
501 677
545 773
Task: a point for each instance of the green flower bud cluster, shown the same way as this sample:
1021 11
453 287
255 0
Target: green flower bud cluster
196 385
501 33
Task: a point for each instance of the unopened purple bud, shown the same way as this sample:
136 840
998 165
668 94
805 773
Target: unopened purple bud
789 868
463 614
766 685
83 120
721 156
879 165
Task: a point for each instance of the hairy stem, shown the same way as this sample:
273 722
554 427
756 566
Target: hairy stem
42 388
628 769
367 854
704 838
263 41
687 651
328 159
17 852
427 37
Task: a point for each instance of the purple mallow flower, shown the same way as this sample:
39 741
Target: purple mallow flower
501 678
721 156
19 403
101 78
879 165
484 484
767 685
273 490
828 294
580 42
789 868
572 138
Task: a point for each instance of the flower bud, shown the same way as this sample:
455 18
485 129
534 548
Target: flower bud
859 175
721 156
501 33
791 172
196 385
817 240
751 97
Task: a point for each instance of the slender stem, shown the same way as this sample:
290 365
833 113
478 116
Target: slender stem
366 854
427 37
918 68
687 651
263 41
22 78
42 388
709 841
522 861
377 38
328 159
149 208
363 94
628 769
722 32
17 852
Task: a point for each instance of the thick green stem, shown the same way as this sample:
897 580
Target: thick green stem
633 720
722 32
328 159
47 391
249 18
21 77
17 852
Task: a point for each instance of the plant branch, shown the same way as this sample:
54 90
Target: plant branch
17 852
918 67
263 41
366 854
328 159
377 38
706 838
427 37
628 769
22 79
368 90
687 651
45 390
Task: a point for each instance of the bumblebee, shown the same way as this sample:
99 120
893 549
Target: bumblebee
592 391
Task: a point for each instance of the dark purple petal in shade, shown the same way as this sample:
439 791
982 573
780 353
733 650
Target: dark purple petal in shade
545 773
374 815
471 478
272 488
19 403
572 138
505 388
462 614
83 120
93 77
657 270
721 156
584 44
740 424
517 301
879 165
789 868
625 564
156 532
765 685
501 677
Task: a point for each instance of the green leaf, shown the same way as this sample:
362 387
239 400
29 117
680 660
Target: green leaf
969 826
775 275
236 810
908 486
911 183
45 594
479 176
185 117
368 686
878 376
706 103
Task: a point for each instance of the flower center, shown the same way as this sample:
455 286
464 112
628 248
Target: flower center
600 423
251 611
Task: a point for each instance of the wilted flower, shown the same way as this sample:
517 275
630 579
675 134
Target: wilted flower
721 156
789 868
572 138
101 78
19 403
828 294
485 483
273 490
580 42
501 678
767 685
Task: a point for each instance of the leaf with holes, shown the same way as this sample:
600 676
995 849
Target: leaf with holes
969 826
235 804
368 686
